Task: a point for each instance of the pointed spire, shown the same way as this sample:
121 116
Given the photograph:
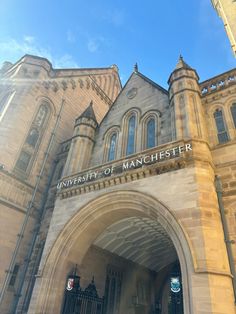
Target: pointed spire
136 67
89 112
181 63
91 289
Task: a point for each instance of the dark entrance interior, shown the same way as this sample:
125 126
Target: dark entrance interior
132 268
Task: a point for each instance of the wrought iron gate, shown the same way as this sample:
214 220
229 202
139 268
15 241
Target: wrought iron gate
78 301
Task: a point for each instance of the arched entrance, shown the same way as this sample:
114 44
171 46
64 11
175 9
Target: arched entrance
138 222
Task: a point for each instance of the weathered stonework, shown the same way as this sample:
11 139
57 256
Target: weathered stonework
136 213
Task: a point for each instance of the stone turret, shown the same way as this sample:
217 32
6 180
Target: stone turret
82 142
185 100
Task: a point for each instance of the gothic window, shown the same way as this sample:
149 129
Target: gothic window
233 112
142 292
112 147
220 125
130 148
23 161
112 291
151 133
32 137
41 115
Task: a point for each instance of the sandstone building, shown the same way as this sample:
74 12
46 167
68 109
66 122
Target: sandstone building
226 10
117 200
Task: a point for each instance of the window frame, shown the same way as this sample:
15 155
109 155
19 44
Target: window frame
27 147
110 146
134 131
145 120
233 116
217 127
107 140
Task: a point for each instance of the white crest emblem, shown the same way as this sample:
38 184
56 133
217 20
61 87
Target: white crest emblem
70 284
175 284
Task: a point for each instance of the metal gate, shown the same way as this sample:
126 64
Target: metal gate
78 301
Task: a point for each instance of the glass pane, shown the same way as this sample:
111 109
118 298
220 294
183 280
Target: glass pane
223 137
32 137
23 161
112 148
220 125
43 110
233 112
131 136
151 133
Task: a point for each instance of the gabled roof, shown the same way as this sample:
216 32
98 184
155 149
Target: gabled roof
152 82
142 76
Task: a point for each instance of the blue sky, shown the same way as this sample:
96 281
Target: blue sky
76 33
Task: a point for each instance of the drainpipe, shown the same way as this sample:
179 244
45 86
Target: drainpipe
32 278
228 242
28 213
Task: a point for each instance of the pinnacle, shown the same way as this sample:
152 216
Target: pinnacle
182 64
89 112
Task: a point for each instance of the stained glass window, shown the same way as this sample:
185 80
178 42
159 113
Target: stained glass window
131 136
220 125
151 130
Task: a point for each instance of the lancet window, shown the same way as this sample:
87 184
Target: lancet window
221 127
33 139
130 148
151 133
112 147
233 112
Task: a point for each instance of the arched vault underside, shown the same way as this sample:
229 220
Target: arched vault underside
141 240
137 220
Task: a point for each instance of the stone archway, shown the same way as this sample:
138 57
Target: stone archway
82 230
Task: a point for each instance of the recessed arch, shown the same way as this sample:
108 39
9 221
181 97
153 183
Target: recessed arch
107 138
151 115
130 131
86 225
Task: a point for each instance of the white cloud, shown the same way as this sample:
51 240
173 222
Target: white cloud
66 61
12 50
29 39
94 44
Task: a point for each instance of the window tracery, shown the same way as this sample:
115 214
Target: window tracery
32 140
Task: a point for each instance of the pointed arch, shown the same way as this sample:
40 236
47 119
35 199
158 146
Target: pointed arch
79 234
